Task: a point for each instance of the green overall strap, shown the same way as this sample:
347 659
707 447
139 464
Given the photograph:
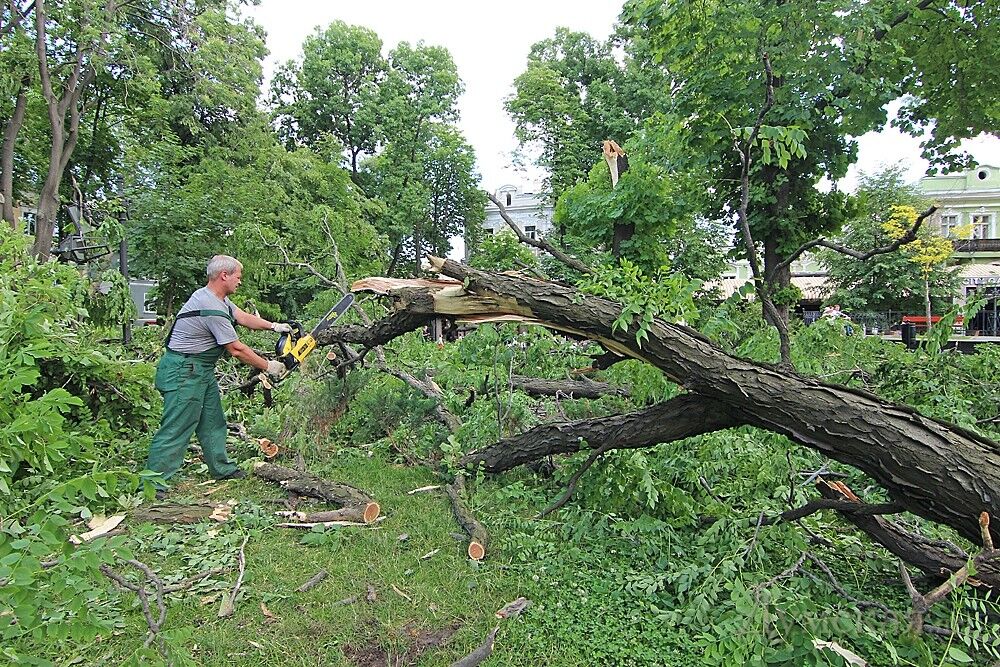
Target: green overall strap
208 312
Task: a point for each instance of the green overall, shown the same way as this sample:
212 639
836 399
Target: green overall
191 405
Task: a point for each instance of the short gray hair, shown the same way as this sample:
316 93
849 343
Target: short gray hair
222 263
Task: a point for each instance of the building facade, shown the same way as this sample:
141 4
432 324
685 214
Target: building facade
530 211
969 213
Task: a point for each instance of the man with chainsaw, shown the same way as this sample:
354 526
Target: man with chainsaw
203 330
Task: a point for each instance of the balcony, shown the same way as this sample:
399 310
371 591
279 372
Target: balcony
977 245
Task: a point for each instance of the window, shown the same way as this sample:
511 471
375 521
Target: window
981 223
949 222
529 231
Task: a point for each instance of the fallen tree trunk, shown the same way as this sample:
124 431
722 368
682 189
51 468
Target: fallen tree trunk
570 388
935 470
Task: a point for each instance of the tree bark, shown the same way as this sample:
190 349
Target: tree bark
682 417
584 388
938 471
10 132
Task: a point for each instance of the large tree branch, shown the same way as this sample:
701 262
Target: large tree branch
908 237
686 416
541 244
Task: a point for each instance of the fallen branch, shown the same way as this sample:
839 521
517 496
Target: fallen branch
571 486
154 625
842 506
481 652
350 515
354 504
584 388
479 538
228 607
678 418
184 513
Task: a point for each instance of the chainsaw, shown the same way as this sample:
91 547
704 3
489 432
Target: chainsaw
293 348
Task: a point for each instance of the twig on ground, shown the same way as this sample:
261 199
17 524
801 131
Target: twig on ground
480 653
228 607
313 582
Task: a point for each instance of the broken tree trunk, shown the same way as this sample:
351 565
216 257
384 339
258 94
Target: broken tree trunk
936 470
359 506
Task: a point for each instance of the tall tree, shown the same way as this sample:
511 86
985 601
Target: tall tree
333 92
783 83
573 94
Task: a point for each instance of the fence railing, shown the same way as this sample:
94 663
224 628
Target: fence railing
985 323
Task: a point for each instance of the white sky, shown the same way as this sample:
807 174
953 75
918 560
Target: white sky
490 43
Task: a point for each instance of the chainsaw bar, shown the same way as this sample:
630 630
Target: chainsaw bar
334 314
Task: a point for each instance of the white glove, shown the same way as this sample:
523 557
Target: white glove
275 368
281 327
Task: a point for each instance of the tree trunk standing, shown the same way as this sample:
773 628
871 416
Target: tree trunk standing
941 472
779 279
11 129
927 301
64 117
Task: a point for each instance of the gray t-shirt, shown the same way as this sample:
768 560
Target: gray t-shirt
198 334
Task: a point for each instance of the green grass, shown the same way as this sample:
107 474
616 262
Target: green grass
312 628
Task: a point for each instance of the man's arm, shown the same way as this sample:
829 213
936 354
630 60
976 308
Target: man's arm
246 354
249 321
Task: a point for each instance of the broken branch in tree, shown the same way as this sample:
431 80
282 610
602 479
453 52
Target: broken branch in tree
540 244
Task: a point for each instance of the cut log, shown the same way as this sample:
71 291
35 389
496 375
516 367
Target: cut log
936 470
481 652
478 537
348 498
584 388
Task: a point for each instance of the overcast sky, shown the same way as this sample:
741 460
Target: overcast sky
490 43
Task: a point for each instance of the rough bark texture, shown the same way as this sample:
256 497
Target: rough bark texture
11 130
676 419
584 388
933 469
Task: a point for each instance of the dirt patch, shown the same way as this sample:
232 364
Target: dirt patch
417 640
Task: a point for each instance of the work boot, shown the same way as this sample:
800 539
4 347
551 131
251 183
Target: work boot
236 474
161 494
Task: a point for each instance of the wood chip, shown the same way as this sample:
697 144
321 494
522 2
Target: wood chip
423 489
403 537
512 609
217 488
268 614
372 595
429 554
103 528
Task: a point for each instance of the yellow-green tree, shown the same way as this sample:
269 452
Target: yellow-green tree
929 251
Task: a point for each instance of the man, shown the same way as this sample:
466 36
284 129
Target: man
203 331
